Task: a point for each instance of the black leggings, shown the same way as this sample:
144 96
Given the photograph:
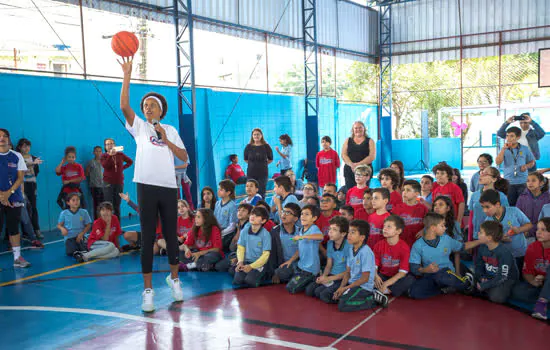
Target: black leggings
155 201
30 192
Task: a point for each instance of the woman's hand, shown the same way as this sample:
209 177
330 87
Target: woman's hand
161 131
126 65
124 196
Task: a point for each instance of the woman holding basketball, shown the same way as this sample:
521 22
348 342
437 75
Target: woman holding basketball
154 174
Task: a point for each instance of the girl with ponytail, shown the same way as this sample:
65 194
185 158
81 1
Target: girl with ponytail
535 196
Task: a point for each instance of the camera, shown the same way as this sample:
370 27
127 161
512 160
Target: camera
118 148
519 117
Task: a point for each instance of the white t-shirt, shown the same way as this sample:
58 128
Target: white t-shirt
154 163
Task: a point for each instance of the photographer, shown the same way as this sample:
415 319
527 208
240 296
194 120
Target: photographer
114 162
531 133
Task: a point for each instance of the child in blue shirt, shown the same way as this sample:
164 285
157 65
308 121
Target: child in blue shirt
359 294
430 261
252 196
285 164
517 160
73 224
309 240
287 247
225 212
337 249
514 223
283 196
253 250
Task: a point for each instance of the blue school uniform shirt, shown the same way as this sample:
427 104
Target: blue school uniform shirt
360 262
338 256
545 212
515 158
253 201
254 243
288 199
11 163
285 163
513 217
457 232
74 222
309 251
424 254
226 213
478 214
474 183
289 245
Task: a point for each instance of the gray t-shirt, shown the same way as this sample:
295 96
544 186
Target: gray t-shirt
96 173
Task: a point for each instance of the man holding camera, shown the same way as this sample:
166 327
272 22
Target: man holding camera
531 133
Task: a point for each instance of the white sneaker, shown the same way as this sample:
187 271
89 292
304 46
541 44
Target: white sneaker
148 304
175 285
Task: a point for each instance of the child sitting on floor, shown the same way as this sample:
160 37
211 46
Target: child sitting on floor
354 196
430 261
230 261
389 179
337 249
496 272
380 198
286 258
73 223
252 196
253 250
411 211
203 247
359 294
226 212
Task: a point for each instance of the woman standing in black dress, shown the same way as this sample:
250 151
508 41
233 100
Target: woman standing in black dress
357 150
258 155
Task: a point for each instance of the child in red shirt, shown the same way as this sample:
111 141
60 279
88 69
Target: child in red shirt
328 211
411 211
234 171
72 174
390 179
391 256
347 212
186 220
354 196
103 239
364 212
536 271
203 246
327 161
380 198
445 187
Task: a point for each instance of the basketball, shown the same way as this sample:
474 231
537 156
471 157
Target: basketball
125 44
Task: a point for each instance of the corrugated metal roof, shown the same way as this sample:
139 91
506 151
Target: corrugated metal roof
340 24
432 19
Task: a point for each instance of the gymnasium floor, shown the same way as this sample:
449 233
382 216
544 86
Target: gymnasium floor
58 304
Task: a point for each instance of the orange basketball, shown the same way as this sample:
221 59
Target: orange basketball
125 44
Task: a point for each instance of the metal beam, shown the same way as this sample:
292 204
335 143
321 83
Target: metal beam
385 85
311 81
375 3
185 66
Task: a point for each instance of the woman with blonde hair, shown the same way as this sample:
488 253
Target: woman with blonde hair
359 149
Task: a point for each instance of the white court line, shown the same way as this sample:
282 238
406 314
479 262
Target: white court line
187 327
358 325
59 240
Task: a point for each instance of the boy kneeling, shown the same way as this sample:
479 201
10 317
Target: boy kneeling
360 272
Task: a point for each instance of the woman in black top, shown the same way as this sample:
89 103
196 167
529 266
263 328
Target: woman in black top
357 150
258 154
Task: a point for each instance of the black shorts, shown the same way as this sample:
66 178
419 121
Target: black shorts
11 218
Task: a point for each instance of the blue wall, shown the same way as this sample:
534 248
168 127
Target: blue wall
408 151
57 112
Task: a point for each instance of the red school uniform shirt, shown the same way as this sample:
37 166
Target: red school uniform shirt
269 225
395 199
327 162
361 214
184 226
376 226
71 172
354 197
537 259
234 172
324 224
98 230
450 190
201 244
413 215
391 259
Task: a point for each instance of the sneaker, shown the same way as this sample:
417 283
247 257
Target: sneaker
37 244
207 267
128 247
540 310
147 304
79 256
162 252
175 285
381 298
20 262
469 281
39 234
183 267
